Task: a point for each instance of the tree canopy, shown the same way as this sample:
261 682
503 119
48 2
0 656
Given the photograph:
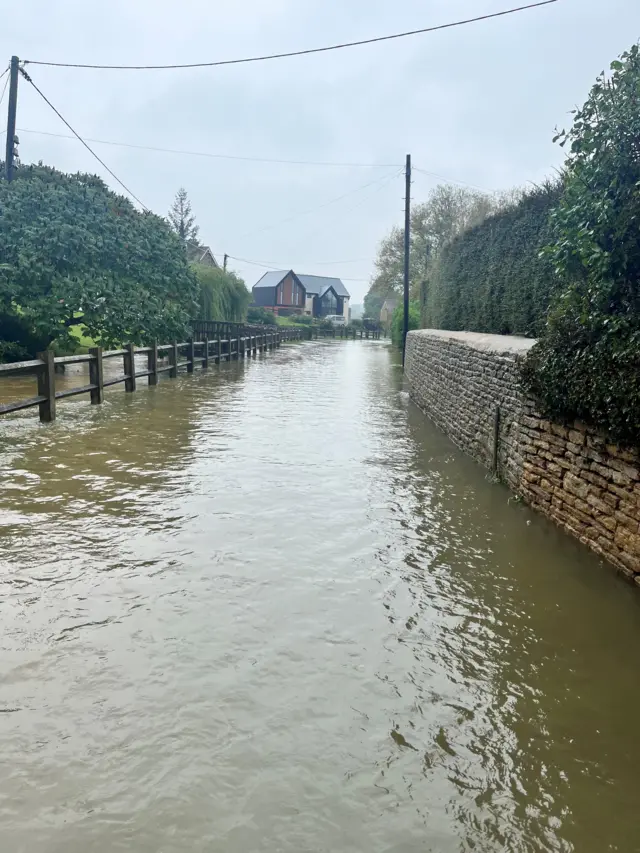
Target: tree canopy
448 211
72 252
587 362
222 294
182 219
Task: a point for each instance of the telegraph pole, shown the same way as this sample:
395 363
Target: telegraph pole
11 116
226 258
407 248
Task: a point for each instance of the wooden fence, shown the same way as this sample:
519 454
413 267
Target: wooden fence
226 341
213 328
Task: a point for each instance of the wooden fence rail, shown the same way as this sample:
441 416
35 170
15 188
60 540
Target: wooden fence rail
231 340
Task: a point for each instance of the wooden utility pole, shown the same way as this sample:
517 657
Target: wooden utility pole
407 247
224 264
11 116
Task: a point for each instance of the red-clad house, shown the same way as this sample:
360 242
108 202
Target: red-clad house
285 292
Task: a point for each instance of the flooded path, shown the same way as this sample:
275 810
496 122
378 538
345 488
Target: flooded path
271 608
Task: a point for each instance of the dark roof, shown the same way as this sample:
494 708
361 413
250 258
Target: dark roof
319 284
315 285
272 279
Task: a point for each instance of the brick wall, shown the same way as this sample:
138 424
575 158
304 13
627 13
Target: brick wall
588 486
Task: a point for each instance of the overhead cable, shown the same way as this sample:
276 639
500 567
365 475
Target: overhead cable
4 89
218 156
317 207
77 135
293 53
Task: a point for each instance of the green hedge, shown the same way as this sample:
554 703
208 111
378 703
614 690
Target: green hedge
397 322
492 278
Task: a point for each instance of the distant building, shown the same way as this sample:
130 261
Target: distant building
201 255
357 312
386 312
286 292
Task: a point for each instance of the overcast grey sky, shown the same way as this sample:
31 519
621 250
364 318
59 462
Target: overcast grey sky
477 104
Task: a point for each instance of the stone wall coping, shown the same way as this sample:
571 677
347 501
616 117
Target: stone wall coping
502 344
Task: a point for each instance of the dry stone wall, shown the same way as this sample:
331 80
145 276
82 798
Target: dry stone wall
572 474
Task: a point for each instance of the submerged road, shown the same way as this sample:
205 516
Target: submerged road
271 608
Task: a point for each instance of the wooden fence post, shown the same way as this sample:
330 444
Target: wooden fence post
130 368
47 387
191 355
205 353
152 363
173 360
96 376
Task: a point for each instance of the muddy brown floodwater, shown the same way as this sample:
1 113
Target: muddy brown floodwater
271 608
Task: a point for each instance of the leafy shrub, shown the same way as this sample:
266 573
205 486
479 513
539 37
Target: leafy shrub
397 323
587 362
260 316
304 320
73 252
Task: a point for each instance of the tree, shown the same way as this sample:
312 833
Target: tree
587 362
75 253
222 295
447 212
182 219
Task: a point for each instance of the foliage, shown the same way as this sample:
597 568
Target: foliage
17 341
491 278
182 219
75 253
397 324
357 323
260 316
222 295
304 320
587 362
447 212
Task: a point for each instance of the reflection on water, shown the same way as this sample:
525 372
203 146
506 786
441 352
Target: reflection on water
270 608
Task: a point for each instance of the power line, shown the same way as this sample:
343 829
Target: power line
274 266
6 83
217 156
318 207
306 52
280 267
272 160
77 135
450 180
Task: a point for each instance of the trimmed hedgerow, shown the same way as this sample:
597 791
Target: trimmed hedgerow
492 278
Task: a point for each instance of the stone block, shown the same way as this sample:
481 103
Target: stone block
598 504
575 486
627 541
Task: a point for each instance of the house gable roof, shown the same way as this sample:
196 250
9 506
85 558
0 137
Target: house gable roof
319 284
196 254
272 278
314 285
